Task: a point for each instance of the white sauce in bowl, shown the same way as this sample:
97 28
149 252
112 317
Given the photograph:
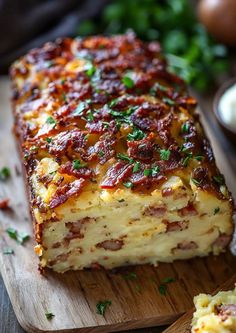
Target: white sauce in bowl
227 107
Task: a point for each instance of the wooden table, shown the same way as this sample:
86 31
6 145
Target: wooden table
8 321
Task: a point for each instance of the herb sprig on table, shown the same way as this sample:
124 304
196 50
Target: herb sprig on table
189 49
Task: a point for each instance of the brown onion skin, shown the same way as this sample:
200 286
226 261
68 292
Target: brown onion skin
219 18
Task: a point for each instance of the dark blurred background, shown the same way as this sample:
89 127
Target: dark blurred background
189 48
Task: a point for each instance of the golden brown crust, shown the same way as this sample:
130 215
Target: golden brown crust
109 102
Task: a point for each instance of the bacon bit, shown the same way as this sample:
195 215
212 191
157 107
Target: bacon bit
75 228
185 245
116 174
63 193
68 169
56 245
103 149
188 210
112 244
156 211
222 241
175 226
4 204
74 139
142 149
226 310
166 192
96 266
60 258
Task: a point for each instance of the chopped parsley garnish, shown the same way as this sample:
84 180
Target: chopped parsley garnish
136 134
216 210
106 124
8 251
49 315
164 154
128 184
185 128
91 70
199 157
5 173
102 306
20 237
79 109
168 101
219 179
124 157
51 121
49 140
157 86
155 170
101 153
77 164
128 82
90 116
113 102
163 286
147 172
136 167
186 161
130 276
195 181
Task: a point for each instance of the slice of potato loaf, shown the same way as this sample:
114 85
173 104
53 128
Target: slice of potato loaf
118 167
215 314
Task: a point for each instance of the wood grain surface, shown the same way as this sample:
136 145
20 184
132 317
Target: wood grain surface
72 297
183 324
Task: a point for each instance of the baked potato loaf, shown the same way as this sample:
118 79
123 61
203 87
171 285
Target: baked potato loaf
117 164
215 314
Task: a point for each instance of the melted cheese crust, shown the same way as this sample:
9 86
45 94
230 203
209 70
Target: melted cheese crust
206 318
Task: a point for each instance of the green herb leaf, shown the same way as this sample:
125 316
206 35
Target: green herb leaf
168 280
219 179
195 181
128 82
136 167
49 140
162 289
91 70
101 153
77 164
185 128
164 154
8 251
155 170
136 134
124 157
90 116
20 237
5 173
128 184
113 102
168 101
186 161
51 121
102 306
147 172
80 109
216 210
199 157
49 315
130 276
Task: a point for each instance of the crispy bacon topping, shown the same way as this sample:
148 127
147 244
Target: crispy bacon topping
116 174
65 192
69 169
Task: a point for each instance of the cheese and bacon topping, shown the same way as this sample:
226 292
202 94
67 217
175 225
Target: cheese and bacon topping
117 163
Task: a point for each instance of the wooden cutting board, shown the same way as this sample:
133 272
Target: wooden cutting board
72 297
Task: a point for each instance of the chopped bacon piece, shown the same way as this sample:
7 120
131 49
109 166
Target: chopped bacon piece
222 241
226 310
74 139
65 192
75 228
166 192
186 245
111 244
116 174
4 204
68 169
188 210
103 149
156 211
175 226
142 149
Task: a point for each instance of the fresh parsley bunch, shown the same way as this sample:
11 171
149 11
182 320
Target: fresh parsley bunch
191 52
